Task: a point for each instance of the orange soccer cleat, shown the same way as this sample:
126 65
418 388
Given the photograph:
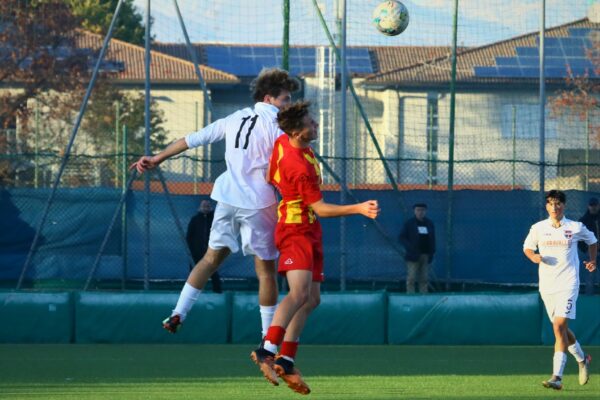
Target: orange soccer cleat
285 370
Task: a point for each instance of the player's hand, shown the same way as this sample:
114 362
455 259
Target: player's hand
144 163
370 209
536 258
590 265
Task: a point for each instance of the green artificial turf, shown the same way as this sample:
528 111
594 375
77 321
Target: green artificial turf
334 372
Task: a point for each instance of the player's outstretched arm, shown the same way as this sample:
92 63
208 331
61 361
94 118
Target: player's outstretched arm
369 209
149 162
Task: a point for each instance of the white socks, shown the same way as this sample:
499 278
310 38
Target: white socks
558 364
266 316
270 347
187 298
577 352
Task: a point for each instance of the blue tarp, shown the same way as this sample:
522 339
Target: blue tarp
489 228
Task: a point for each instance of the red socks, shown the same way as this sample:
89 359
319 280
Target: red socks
289 349
275 335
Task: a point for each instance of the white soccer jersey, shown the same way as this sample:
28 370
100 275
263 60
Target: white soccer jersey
249 137
559 269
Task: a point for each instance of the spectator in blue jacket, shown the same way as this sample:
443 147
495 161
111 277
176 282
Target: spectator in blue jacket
418 238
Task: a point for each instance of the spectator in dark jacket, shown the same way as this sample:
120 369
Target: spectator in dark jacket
418 238
197 235
591 219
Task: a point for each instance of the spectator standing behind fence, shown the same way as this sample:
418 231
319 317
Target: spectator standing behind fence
418 239
197 235
591 219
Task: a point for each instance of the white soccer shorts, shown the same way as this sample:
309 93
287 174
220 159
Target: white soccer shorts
561 304
257 228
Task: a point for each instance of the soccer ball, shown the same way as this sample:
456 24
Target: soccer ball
390 17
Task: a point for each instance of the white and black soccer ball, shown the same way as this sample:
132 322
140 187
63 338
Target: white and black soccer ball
390 17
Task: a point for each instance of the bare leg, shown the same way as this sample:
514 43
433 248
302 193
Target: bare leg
296 326
203 270
561 329
300 285
267 281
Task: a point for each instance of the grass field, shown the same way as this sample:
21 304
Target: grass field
333 372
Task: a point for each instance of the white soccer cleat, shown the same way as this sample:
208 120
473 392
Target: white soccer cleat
553 383
584 370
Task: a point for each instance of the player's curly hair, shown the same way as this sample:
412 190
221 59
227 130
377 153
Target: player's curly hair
271 81
290 118
556 195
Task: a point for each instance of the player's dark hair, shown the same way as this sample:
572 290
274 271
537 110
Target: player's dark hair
271 82
421 205
291 118
556 195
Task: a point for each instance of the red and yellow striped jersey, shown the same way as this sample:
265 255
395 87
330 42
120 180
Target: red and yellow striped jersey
296 175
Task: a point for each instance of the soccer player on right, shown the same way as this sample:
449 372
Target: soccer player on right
556 239
294 171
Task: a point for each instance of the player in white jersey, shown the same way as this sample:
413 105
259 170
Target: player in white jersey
556 240
246 203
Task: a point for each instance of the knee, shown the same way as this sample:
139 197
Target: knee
314 302
560 329
210 261
299 297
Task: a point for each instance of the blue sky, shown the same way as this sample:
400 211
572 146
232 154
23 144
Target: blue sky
261 22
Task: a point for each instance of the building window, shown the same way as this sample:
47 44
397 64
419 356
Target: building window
432 139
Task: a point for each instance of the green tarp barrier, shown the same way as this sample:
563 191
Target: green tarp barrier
586 326
136 318
455 319
35 317
348 318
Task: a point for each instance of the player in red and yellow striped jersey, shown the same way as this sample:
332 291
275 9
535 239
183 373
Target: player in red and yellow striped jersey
294 171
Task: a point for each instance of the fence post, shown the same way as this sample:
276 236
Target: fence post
36 145
514 144
124 247
587 150
117 130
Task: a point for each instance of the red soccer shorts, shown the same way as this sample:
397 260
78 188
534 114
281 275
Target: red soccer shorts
300 249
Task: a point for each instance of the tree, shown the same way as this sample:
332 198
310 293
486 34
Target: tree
36 53
581 96
46 75
96 16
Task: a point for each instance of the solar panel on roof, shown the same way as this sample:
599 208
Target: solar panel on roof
556 61
529 61
507 61
527 51
486 72
509 72
554 52
580 32
530 72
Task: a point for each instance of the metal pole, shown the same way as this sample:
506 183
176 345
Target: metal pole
343 137
124 247
37 145
147 151
542 148
108 232
67 151
192 54
285 60
449 221
195 167
430 147
117 130
514 145
175 216
587 150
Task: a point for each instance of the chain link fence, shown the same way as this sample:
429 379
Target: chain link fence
400 154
